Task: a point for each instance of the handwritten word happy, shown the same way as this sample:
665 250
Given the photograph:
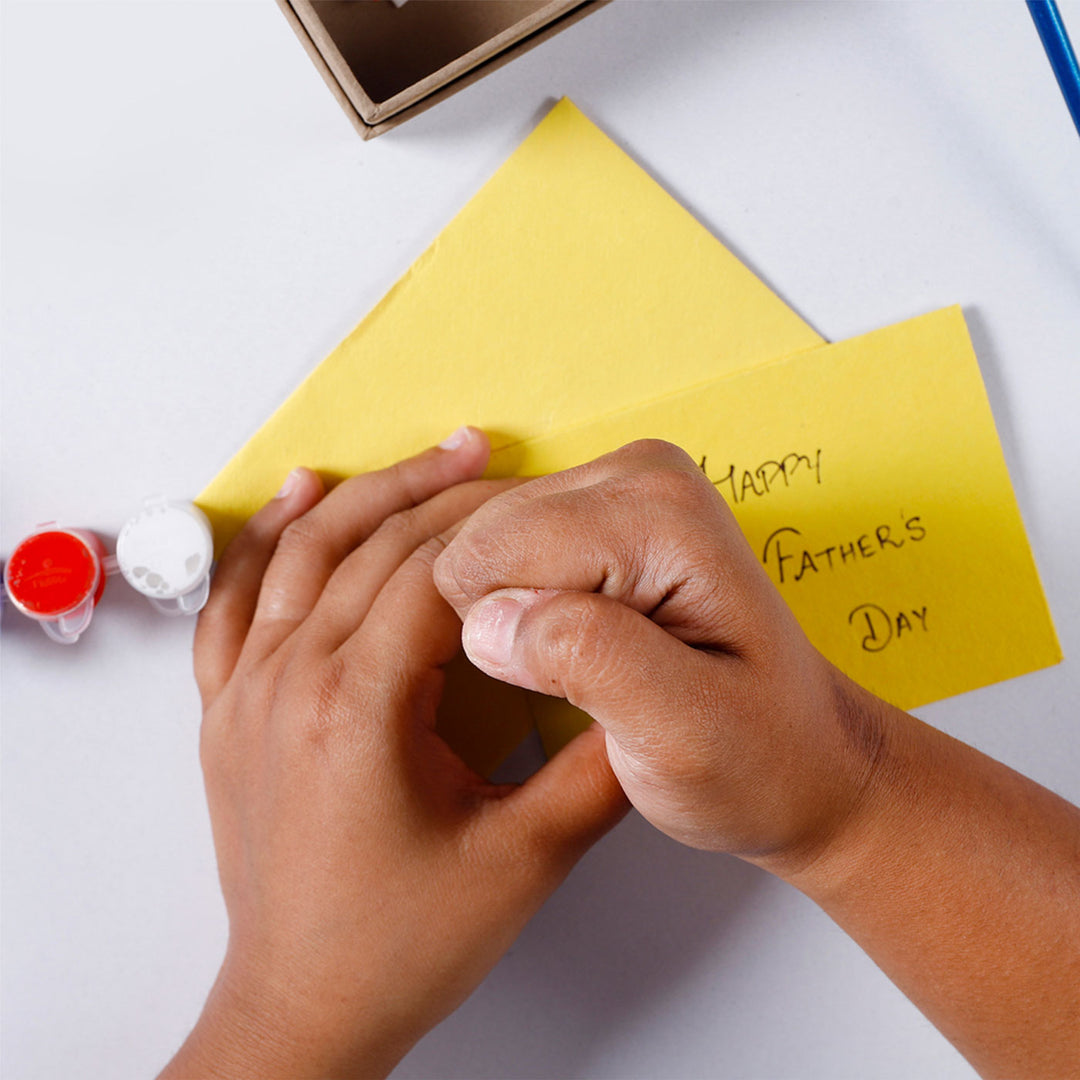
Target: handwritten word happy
766 477
795 562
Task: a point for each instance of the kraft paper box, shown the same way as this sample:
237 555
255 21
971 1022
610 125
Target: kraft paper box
386 62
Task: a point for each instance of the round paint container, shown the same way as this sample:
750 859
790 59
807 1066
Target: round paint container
165 552
56 576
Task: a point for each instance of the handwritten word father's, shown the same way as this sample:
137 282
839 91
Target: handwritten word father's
792 558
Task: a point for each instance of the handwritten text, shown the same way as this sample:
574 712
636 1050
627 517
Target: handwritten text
879 627
741 482
792 558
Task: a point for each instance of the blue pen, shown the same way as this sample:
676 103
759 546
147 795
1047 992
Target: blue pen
1059 52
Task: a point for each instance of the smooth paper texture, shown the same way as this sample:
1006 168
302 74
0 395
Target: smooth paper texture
571 285
869 480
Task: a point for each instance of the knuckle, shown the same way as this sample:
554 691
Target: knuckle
466 570
301 536
445 572
658 451
510 841
491 543
215 622
219 752
688 489
429 551
575 639
399 528
257 688
412 478
674 484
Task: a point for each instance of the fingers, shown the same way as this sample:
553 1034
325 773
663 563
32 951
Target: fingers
310 550
410 629
612 662
223 623
353 586
617 524
647 528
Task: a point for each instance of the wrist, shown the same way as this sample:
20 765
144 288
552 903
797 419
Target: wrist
957 877
907 801
862 796
251 1028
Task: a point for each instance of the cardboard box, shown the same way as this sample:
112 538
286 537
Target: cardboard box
387 62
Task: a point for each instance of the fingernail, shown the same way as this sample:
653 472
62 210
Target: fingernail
490 629
458 439
290 484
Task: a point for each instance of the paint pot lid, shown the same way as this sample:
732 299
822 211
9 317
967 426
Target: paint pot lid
166 550
51 573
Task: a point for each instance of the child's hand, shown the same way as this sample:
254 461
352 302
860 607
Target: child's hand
626 586
371 878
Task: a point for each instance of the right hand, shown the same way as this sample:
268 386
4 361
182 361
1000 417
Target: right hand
626 586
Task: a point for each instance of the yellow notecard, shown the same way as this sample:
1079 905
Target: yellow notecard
570 286
868 479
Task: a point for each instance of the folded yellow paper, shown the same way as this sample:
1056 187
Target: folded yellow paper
868 479
867 475
570 286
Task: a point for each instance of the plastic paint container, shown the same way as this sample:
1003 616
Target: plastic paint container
56 577
166 552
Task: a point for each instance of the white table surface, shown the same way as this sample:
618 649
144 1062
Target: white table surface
190 224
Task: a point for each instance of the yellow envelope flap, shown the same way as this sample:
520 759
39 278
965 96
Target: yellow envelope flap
571 285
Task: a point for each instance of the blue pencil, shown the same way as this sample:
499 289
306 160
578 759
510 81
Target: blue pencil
1059 52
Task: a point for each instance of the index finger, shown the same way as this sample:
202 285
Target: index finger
224 622
312 548
607 525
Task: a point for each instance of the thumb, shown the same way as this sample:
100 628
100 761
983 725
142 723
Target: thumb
569 803
602 656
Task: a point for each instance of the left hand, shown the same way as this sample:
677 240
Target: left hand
371 878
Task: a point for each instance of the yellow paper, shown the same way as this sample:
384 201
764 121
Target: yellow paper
570 286
868 478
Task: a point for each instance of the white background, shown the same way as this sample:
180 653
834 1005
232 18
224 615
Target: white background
190 224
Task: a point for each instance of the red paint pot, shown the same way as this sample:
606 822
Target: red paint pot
57 576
